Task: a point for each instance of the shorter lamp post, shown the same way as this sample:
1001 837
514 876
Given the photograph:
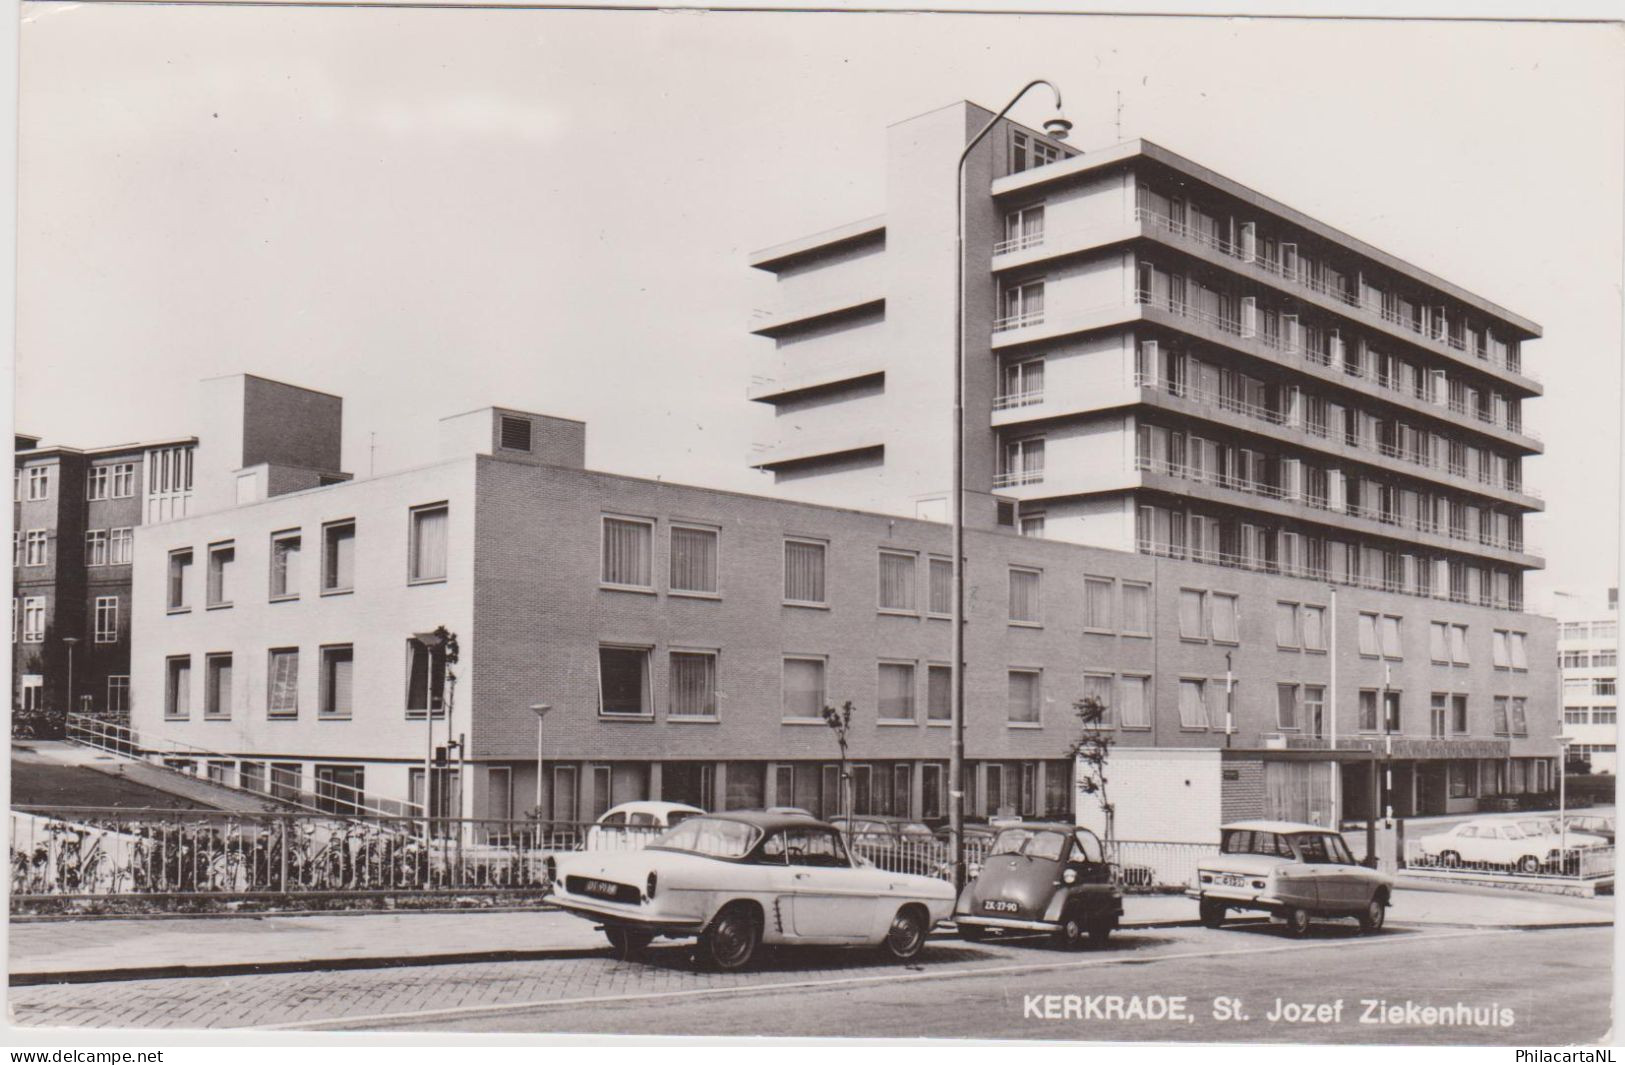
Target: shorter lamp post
1563 792
540 710
70 641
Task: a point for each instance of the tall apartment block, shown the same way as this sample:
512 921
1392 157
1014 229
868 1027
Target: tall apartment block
1588 656
1161 360
75 512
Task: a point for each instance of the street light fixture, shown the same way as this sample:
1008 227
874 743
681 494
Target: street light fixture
540 710
1057 127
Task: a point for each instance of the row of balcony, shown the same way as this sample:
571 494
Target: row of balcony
1421 589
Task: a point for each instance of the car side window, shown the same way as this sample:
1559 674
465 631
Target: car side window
1089 845
1467 832
615 819
772 850
642 819
816 847
1314 850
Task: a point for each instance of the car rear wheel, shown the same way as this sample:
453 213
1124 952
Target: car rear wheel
1449 859
973 933
907 934
1297 922
627 943
1529 864
1376 912
1212 913
1070 933
730 940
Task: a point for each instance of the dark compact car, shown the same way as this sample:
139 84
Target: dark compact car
1043 878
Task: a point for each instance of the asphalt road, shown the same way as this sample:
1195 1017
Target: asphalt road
1555 983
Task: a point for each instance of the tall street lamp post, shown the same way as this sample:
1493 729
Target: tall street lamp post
540 710
430 642
70 641
1057 127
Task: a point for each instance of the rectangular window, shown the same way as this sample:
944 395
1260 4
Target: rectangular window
118 693
1392 644
804 572
178 687
1500 715
1023 704
1314 627
180 569
338 557
1226 619
1192 704
425 679
430 526
1368 636
897 581
287 781
285 565
1097 687
1458 714
96 547
222 566
97 482
1391 712
1025 604
338 667
36 548
217 686
1368 710
1133 702
1438 712
1520 723
282 682
1520 653
693 560
123 486
939 693
623 682
627 553
1136 609
1458 645
804 688
107 619
121 547
896 700
39 482
1286 625
1498 649
1286 706
1439 642
942 586
1032 525
1314 709
693 684
1097 604
340 789
34 619
1192 606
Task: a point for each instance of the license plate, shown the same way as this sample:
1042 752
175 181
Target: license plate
1231 880
1000 906
602 889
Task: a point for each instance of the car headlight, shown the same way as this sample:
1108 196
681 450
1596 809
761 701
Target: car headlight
649 888
1069 877
1207 878
551 868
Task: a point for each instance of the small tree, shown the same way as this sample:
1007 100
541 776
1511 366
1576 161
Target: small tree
1090 752
840 721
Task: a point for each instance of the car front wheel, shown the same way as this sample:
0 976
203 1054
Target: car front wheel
627 943
1449 859
730 940
906 936
1376 912
1070 933
1297 922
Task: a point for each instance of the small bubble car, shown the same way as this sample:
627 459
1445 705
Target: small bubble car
1041 877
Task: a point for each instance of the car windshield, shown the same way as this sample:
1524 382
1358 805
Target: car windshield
709 836
914 830
1509 832
1043 844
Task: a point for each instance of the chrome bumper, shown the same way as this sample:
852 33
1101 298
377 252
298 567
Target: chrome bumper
611 916
1007 922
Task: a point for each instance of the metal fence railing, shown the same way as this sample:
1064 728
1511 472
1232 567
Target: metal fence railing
1577 863
1157 864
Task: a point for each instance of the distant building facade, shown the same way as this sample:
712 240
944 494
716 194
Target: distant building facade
1588 656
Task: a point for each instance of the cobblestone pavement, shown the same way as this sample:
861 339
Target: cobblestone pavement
376 997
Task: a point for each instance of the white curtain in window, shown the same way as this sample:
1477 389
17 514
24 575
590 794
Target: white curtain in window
1391 637
896 581
1458 644
942 586
1224 618
1438 642
1136 608
1286 625
1099 688
1192 707
1024 595
1023 696
1520 657
626 553
1131 702
939 693
429 544
693 560
1368 634
803 571
896 692
1286 700
803 687
1498 649
1097 604
693 684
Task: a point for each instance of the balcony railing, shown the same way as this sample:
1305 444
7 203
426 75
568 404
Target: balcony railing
1017 321
1013 478
1021 243
1012 400
1341 293
1289 345
1260 564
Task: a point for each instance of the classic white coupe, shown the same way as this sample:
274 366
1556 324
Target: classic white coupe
740 879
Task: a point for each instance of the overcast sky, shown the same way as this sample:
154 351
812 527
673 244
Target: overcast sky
426 211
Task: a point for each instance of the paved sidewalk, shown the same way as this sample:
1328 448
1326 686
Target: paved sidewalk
129 947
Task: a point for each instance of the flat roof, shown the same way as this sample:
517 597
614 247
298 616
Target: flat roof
139 445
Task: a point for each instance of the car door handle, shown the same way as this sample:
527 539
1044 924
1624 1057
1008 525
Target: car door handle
803 876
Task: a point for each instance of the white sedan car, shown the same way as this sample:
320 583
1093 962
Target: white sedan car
634 825
1491 843
741 879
